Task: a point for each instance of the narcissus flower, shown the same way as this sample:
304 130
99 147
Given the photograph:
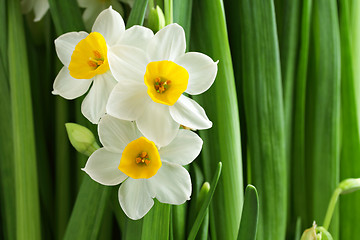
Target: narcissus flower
152 83
40 8
146 170
86 60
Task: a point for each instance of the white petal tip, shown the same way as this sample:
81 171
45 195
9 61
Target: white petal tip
54 93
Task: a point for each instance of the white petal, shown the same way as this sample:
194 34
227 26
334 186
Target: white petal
134 198
202 71
69 87
65 45
40 8
157 125
127 62
115 134
127 101
171 184
185 147
137 36
110 24
189 113
102 167
94 105
167 44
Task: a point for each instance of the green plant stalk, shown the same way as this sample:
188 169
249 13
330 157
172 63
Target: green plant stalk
331 208
137 13
169 13
350 139
203 210
263 100
222 141
26 184
322 135
298 163
250 214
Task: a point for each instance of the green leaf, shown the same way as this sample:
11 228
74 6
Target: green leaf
203 209
250 214
137 13
222 141
86 217
350 139
323 111
263 100
182 16
298 163
156 223
26 184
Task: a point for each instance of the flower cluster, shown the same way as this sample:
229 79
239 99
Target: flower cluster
137 82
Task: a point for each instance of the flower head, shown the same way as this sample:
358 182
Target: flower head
152 83
147 171
86 60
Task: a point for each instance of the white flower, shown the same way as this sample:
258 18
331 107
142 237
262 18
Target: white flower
40 7
151 84
147 171
85 59
94 7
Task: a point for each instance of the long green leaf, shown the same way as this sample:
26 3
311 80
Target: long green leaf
250 214
203 209
298 163
263 100
26 184
156 223
350 145
323 111
182 16
222 141
137 13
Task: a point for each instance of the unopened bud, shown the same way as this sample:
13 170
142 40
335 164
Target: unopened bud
82 139
156 20
349 185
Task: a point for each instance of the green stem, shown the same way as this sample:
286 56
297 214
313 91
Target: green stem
168 4
331 208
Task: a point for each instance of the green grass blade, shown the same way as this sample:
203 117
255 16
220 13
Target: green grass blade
222 141
182 16
86 217
156 223
298 163
350 141
7 178
137 13
203 209
323 111
26 184
250 214
263 100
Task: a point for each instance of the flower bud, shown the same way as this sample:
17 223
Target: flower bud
81 138
156 20
349 185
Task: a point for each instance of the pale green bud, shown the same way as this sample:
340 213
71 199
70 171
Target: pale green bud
156 20
316 233
82 139
349 185
309 234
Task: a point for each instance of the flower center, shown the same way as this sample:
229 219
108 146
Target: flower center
140 159
166 81
161 85
89 57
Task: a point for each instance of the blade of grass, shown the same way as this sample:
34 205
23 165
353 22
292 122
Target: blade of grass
26 184
156 223
263 100
350 141
298 163
203 209
182 16
137 13
222 141
323 111
250 214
